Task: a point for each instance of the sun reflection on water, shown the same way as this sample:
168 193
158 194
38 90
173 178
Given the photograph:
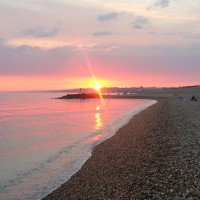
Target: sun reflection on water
98 108
95 138
98 119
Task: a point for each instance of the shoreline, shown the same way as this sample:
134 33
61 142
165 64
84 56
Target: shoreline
141 160
84 96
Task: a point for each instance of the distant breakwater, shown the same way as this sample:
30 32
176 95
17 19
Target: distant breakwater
80 96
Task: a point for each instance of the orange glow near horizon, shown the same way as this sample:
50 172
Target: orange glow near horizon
15 83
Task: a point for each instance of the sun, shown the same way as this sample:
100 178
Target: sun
97 86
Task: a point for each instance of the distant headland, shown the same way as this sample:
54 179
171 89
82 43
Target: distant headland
80 96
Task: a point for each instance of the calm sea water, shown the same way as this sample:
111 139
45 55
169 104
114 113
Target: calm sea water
44 141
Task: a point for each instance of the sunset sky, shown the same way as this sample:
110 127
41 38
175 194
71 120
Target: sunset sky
59 44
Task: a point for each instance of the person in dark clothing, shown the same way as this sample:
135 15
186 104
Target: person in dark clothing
193 98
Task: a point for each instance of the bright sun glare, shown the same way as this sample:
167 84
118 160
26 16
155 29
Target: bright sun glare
97 86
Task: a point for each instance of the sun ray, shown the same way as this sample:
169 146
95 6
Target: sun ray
97 85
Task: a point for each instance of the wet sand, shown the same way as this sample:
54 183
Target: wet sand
155 156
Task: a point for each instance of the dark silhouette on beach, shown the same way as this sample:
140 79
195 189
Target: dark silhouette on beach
193 98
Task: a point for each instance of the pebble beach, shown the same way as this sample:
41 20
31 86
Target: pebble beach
155 156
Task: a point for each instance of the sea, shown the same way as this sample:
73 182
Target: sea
44 141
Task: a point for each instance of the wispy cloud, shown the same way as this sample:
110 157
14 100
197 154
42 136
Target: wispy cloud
192 36
140 22
109 16
33 61
2 40
103 33
160 3
173 33
40 32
